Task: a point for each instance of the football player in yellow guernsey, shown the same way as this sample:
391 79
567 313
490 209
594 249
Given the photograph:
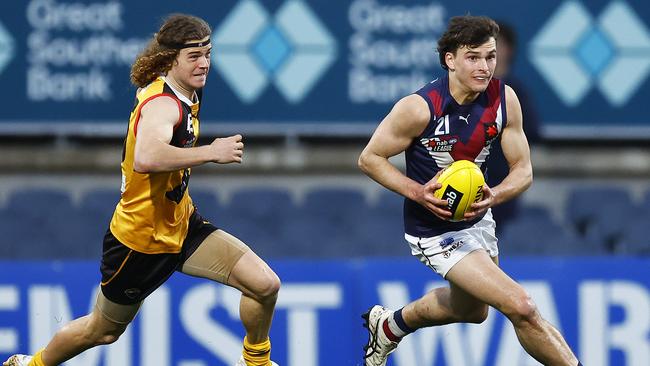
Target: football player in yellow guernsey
156 229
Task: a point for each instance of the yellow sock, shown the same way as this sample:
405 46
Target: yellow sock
37 360
257 354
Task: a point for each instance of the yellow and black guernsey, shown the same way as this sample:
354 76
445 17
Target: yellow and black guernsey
154 210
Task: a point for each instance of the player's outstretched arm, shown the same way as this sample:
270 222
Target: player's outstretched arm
517 153
406 121
155 129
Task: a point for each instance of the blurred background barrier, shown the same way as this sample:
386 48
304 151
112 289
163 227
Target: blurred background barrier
318 67
600 304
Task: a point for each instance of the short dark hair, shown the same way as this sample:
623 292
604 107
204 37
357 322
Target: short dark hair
466 30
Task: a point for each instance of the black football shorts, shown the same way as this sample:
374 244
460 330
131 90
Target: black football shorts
129 276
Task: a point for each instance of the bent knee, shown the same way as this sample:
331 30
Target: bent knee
521 309
99 337
267 288
107 339
102 334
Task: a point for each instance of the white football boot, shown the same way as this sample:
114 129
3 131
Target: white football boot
379 346
241 362
18 360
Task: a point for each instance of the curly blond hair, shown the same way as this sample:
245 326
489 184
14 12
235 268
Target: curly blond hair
159 55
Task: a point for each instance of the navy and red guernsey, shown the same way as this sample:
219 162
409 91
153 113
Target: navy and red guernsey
455 132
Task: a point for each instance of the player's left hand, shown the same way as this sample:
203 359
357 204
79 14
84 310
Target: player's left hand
479 208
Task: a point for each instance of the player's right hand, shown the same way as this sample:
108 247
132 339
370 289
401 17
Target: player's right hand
227 149
437 206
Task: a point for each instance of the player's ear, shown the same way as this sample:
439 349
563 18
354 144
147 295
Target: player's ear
177 59
449 60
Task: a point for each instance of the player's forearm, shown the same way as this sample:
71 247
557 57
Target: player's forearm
514 184
383 172
166 158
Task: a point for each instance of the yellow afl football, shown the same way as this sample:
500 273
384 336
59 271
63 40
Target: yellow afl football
462 184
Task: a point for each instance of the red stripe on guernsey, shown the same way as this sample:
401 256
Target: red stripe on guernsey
389 333
137 115
470 151
494 99
436 102
476 142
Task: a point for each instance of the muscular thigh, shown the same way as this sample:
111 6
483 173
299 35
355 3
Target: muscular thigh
462 300
215 257
479 276
111 316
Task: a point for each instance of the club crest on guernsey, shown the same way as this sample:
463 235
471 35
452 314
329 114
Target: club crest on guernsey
491 132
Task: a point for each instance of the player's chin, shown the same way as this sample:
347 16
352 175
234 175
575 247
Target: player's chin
479 87
198 85
198 81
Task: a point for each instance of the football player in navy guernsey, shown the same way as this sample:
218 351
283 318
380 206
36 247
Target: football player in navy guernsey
456 117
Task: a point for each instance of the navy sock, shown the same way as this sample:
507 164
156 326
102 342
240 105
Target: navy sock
400 322
395 328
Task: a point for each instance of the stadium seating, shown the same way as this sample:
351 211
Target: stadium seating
327 222
635 237
256 216
308 236
380 229
341 205
600 215
379 234
645 203
585 204
22 238
76 234
260 203
206 202
528 236
568 243
606 229
534 212
100 203
389 202
29 220
37 204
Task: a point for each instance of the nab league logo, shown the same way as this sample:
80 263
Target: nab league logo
439 144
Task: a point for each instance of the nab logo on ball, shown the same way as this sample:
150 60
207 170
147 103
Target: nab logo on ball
453 198
462 184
